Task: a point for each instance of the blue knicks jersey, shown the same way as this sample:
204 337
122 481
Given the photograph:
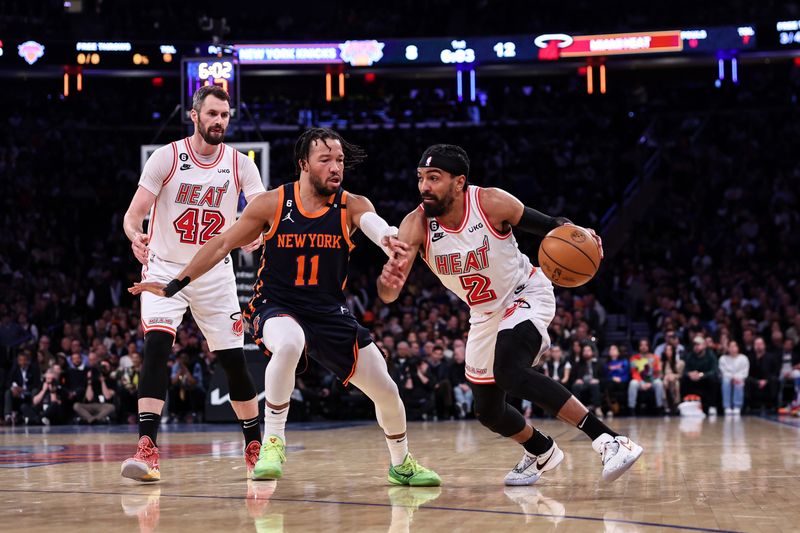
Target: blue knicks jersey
306 255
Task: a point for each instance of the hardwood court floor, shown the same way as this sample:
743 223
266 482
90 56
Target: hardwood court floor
701 475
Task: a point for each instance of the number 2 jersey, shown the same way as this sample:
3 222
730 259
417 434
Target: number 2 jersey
306 255
480 265
196 196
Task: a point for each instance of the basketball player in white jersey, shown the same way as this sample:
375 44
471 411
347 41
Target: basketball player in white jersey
191 189
464 234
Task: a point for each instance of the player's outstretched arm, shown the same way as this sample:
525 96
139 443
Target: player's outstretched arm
395 271
255 217
504 210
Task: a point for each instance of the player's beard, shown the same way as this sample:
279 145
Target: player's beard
211 137
322 187
439 207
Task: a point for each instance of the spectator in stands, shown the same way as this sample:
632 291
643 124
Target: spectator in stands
21 382
443 390
617 374
462 392
186 394
790 375
128 379
671 338
556 367
418 390
47 404
701 376
98 399
734 368
672 370
645 375
762 382
586 386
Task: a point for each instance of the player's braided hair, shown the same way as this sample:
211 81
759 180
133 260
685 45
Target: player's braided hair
353 154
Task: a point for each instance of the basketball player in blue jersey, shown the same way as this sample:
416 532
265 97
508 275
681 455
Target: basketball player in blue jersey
299 300
464 235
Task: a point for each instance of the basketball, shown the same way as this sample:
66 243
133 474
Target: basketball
569 256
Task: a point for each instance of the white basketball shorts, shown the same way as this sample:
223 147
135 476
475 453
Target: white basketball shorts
212 299
533 300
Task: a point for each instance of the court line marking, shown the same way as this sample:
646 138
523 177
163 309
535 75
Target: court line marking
374 504
786 423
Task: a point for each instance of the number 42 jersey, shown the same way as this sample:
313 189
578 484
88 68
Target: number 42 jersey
196 196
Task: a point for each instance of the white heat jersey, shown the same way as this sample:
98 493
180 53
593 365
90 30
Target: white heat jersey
197 196
480 265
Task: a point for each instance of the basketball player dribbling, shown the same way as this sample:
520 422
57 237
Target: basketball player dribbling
464 234
299 300
191 189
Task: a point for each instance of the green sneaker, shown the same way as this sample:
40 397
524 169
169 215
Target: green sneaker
270 459
414 474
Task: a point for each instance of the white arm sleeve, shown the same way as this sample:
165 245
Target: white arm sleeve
376 229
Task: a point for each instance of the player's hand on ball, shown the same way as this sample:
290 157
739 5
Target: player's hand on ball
139 247
148 286
392 274
253 246
597 239
398 248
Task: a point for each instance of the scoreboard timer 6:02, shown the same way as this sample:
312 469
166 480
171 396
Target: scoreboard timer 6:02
199 71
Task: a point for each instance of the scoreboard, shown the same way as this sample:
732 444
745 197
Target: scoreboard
199 71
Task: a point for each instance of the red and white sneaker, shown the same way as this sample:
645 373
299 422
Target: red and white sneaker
251 452
143 466
617 453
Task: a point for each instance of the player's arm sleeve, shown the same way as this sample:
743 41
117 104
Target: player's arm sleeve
538 223
159 168
249 177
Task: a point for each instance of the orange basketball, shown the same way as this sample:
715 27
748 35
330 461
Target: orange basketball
569 256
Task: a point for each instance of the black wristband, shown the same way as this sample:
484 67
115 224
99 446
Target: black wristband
174 286
538 223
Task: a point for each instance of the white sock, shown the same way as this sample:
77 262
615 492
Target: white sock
275 422
398 449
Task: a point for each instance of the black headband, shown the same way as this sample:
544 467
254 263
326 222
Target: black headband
456 167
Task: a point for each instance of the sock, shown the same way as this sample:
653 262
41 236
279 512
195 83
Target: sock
538 443
275 422
148 425
593 427
398 449
251 430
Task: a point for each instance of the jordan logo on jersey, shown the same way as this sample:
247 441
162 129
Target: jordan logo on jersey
288 217
192 194
457 263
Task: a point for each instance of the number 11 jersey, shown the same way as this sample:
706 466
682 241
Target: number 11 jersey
196 196
306 255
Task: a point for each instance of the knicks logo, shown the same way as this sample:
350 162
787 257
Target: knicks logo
238 324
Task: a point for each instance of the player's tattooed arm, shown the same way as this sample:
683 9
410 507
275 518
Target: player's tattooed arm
396 270
256 216
132 223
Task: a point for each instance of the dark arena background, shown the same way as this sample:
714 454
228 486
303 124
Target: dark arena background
670 128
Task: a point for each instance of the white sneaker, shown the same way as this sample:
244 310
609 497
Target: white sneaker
728 411
712 411
531 467
736 411
617 453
